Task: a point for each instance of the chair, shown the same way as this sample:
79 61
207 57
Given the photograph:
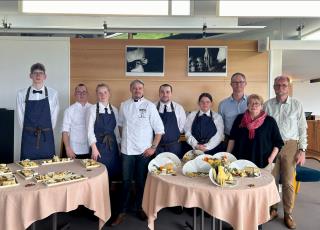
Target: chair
305 174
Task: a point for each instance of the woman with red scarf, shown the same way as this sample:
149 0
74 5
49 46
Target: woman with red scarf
254 135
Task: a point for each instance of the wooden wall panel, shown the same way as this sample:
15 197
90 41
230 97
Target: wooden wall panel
97 60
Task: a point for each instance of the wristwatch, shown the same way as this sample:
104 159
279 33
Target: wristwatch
153 146
303 150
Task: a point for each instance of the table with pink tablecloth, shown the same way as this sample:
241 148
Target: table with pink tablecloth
244 207
21 206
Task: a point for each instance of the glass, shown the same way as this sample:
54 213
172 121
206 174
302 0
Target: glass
281 85
238 82
81 92
254 104
37 73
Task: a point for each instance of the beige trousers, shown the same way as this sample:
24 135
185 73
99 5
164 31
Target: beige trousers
285 169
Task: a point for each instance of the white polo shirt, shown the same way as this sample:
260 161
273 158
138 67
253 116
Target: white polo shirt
138 121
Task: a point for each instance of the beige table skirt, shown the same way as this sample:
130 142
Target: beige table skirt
21 206
242 206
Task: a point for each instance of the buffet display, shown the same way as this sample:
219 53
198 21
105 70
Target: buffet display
56 160
89 163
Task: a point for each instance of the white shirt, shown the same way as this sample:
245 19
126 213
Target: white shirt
178 110
74 123
53 103
138 121
91 119
215 140
290 119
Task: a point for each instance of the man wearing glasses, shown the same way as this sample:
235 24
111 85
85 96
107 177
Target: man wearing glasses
234 105
74 133
289 115
37 108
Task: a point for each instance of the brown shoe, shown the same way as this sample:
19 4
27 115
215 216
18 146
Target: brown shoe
141 215
289 222
273 214
120 218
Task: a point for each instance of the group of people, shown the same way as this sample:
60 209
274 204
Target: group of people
126 140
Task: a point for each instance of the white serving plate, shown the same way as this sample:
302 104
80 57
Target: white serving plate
28 167
201 165
241 164
171 156
226 184
9 172
63 182
10 185
90 166
56 162
231 158
192 154
157 162
24 177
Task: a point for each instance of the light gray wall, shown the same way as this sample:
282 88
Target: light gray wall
17 54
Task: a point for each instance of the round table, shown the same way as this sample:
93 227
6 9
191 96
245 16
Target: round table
243 206
21 206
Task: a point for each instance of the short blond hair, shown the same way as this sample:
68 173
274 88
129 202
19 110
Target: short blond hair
255 97
102 85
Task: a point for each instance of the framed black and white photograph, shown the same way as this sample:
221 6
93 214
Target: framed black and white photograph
145 61
207 61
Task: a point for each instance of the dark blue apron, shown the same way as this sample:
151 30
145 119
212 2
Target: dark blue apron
106 141
37 135
203 129
170 140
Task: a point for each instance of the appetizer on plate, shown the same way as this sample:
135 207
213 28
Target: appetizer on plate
28 164
166 169
190 155
55 178
4 169
90 163
197 174
27 173
8 181
56 160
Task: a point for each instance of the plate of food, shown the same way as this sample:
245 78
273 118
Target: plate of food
27 173
4 169
244 168
201 162
171 156
220 176
191 169
225 155
162 166
89 163
56 178
28 164
56 160
8 181
192 154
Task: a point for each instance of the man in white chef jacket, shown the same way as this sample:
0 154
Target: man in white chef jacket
74 132
141 128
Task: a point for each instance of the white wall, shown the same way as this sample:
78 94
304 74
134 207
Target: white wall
17 54
308 94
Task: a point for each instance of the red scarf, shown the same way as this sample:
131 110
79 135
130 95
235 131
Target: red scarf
250 124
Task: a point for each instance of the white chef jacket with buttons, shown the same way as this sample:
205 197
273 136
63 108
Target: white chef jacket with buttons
91 119
138 121
74 123
53 103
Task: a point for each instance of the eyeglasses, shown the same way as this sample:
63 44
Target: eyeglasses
81 92
238 82
37 73
281 85
255 104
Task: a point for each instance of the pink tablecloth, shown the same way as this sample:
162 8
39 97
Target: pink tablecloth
20 206
242 206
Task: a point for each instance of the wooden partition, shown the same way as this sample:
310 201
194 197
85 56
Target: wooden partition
94 61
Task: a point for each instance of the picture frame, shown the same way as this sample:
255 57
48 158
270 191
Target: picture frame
144 61
207 61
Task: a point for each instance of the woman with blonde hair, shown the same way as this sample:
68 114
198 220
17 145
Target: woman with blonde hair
254 135
103 132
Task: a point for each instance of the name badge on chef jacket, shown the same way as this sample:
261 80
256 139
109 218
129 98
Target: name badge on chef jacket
142 113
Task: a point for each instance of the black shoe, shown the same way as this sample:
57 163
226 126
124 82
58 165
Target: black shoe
141 215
